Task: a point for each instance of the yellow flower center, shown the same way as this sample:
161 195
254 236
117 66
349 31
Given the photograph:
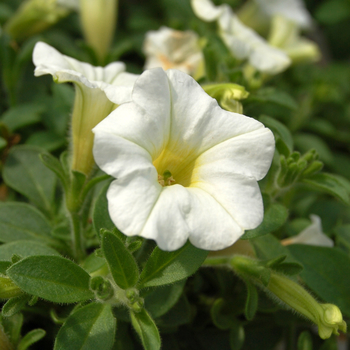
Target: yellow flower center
166 179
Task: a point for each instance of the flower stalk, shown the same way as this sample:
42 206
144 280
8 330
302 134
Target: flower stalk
327 317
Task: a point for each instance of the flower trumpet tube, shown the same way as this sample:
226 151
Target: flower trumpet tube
184 167
168 48
98 91
98 19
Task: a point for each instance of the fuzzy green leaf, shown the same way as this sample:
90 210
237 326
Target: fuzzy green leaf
52 278
121 263
146 329
14 305
30 338
24 172
89 328
21 221
169 267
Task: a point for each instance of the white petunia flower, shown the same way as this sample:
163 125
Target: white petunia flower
98 91
312 235
242 41
184 167
168 48
293 10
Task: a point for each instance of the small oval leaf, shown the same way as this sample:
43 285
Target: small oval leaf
52 278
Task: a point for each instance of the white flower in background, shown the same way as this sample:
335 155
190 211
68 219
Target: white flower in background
70 4
168 48
97 92
184 167
293 10
242 41
285 34
312 235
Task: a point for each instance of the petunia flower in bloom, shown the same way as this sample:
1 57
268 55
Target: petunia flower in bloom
312 235
184 167
98 91
168 48
242 41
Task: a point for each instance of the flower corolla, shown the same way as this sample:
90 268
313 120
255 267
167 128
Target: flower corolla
293 10
184 167
311 235
242 41
168 48
98 92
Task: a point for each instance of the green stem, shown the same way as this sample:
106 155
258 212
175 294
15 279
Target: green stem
77 236
4 340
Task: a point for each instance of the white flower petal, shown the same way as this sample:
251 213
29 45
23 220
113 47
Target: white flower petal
167 221
238 194
312 235
206 10
249 159
292 9
148 132
208 213
111 78
137 194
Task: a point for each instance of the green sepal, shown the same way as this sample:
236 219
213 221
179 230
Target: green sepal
146 329
251 304
52 278
91 327
122 264
14 305
305 341
30 338
168 267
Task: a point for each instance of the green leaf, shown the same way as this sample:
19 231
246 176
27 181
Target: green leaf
324 271
330 184
274 217
31 338
251 304
3 143
21 221
100 216
281 132
146 329
305 341
14 305
169 267
24 249
222 315
48 140
52 278
333 11
89 328
289 269
269 247
55 165
161 300
12 326
4 265
237 337
23 115
24 172
121 263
